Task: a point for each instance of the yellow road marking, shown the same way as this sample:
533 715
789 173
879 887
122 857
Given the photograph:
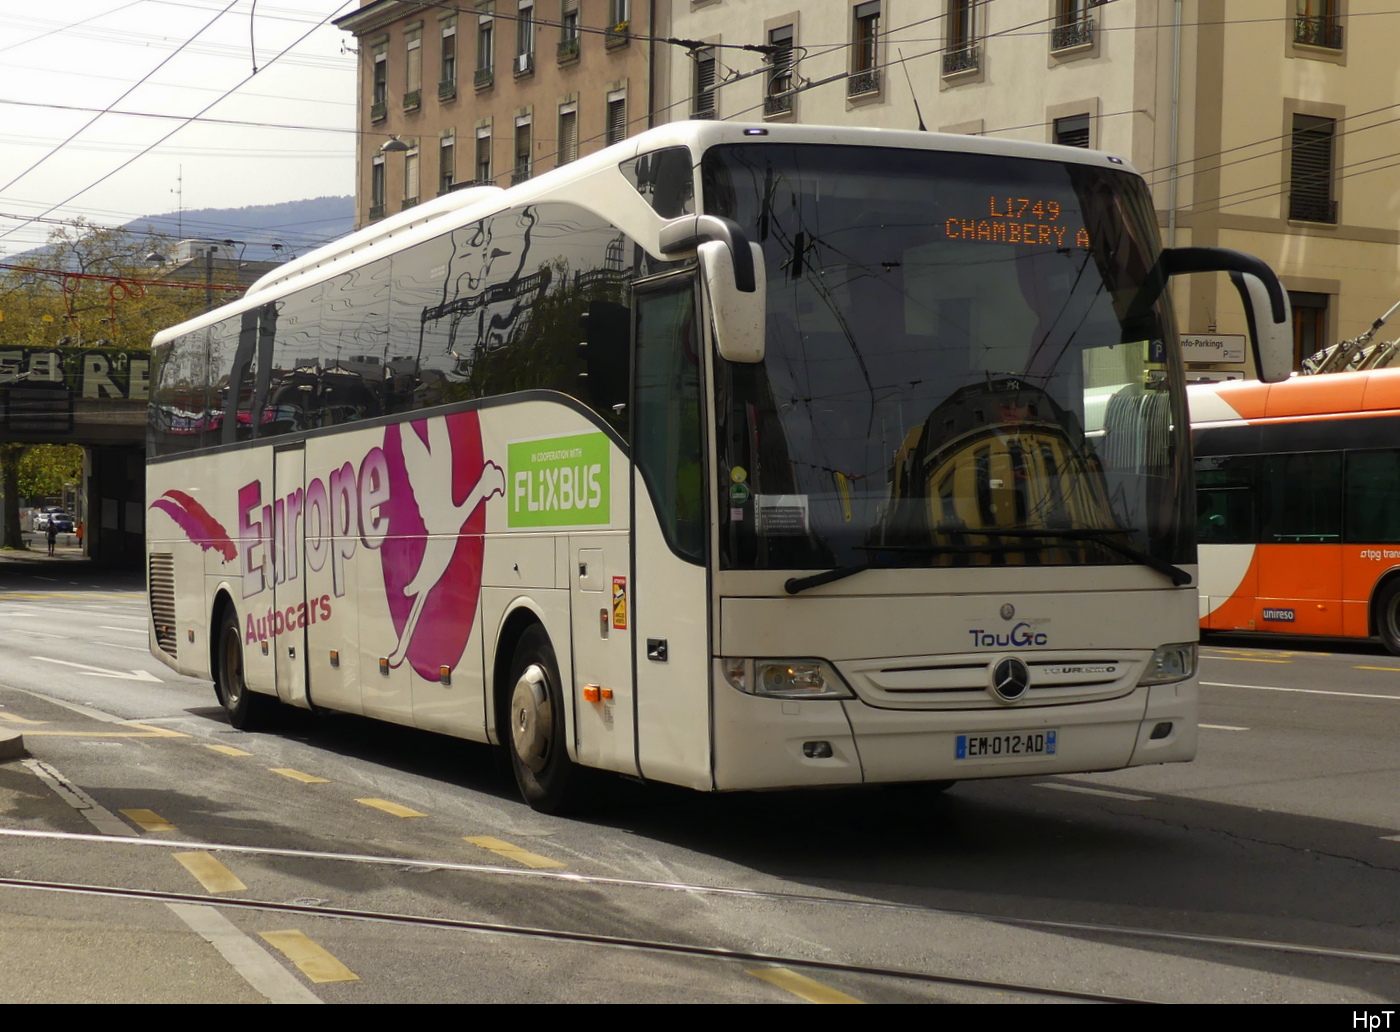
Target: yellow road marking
228 750
505 849
296 775
214 876
388 807
147 820
314 961
1393 670
800 985
1249 659
108 734
158 732
15 719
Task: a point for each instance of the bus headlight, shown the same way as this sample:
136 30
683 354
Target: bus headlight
786 678
1170 663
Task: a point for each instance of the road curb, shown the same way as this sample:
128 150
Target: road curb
11 745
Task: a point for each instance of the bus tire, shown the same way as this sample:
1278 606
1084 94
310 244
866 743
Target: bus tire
1388 616
539 754
247 710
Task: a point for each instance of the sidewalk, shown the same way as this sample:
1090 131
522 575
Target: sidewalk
66 548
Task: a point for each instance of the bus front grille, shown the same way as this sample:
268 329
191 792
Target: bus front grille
964 682
161 588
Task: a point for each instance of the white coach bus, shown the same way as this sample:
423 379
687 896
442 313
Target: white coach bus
734 457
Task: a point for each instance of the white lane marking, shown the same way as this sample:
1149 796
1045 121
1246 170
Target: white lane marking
97 671
1390 838
1303 691
100 818
258 967
131 648
125 630
1221 727
1064 787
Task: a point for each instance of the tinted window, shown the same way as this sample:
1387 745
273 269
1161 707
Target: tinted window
1302 498
1373 496
1227 499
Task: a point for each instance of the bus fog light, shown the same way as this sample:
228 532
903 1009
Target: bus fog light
1170 663
1161 731
817 750
786 678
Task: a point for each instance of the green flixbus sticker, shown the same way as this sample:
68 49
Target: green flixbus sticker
559 481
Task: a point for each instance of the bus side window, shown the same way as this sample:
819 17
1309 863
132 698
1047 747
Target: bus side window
1302 498
1227 500
1373 506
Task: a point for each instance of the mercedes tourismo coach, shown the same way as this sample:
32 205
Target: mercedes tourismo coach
1298 493
731 456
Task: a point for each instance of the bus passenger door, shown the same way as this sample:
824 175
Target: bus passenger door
288 631
602 661
670 534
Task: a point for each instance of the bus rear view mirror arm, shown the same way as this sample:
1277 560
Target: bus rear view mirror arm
735 281
1265 303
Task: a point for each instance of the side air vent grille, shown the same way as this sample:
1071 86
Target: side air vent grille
162 593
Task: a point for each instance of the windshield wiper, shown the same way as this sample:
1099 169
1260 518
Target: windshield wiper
1177 575
1103 537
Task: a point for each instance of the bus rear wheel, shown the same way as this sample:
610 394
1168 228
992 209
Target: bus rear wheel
1388 616
247 710
539 755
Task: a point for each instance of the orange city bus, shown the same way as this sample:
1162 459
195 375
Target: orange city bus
1298 505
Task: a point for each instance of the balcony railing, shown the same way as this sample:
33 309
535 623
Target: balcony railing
617 36
413 100
519 176
1078 33
447 89
567 50
778 104
376 211
965 58
859 83
524 64
378 111
1312 209
1318 32
483 79
409 202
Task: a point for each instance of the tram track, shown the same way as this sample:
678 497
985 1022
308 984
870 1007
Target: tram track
1246 944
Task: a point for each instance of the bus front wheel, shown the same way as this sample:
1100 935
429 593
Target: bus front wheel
1388 616
247 710
539 755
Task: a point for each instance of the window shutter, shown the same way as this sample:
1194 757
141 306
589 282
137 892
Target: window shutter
1310 187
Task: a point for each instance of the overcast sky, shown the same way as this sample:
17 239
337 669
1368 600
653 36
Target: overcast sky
63 61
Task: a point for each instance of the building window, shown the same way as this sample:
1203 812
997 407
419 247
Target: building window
961 54
376 188
1074 26
410 178
779 99
525 38
1310 165
485 51
447 163
1072 131
865 49
568 30
413 69
1318 23
1309 324
483 156
568 133
703 105
523 143
617 118
447 85
379 90
619 23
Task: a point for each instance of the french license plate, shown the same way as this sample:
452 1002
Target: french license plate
1006 745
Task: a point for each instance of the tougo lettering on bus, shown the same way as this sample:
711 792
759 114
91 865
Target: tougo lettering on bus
1020 636
558 488
337 514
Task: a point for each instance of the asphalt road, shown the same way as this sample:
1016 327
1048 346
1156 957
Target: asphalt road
339 860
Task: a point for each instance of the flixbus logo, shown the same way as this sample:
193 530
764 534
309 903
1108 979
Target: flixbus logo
559 481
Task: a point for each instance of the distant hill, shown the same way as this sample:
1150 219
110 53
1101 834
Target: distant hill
298 226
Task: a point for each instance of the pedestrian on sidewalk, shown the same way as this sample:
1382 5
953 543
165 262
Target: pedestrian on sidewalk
53 536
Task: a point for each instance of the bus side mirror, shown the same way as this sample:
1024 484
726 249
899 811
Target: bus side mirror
739 315
1265 303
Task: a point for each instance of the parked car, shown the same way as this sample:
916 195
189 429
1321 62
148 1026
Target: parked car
60 520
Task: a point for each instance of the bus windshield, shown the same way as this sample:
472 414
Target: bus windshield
968 363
